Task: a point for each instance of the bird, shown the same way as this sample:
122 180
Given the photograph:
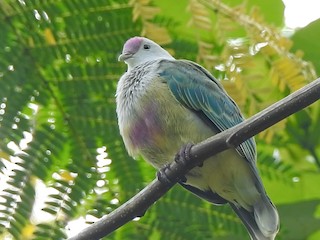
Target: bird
163 103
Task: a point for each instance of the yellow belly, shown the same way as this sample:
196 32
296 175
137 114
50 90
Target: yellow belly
229 175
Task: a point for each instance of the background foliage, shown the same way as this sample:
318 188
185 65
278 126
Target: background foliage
58 74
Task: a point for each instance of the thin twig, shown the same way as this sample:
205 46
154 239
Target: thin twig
232 137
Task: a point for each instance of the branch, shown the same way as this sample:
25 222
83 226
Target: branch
232 137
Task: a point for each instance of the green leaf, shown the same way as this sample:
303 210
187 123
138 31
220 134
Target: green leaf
305 39
297 219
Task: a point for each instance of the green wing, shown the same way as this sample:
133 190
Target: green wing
198 90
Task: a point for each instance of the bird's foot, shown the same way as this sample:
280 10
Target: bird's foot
164 177
162 174
183 156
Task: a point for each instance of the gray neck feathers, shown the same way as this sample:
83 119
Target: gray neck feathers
133 84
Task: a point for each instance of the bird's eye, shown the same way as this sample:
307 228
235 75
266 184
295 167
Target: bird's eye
146 46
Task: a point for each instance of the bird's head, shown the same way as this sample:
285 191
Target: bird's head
138 50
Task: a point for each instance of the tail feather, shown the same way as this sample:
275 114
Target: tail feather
266 217
249 222
262 223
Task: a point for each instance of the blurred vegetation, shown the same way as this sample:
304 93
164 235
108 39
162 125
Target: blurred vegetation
58 74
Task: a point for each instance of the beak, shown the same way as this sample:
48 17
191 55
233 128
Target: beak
124 56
